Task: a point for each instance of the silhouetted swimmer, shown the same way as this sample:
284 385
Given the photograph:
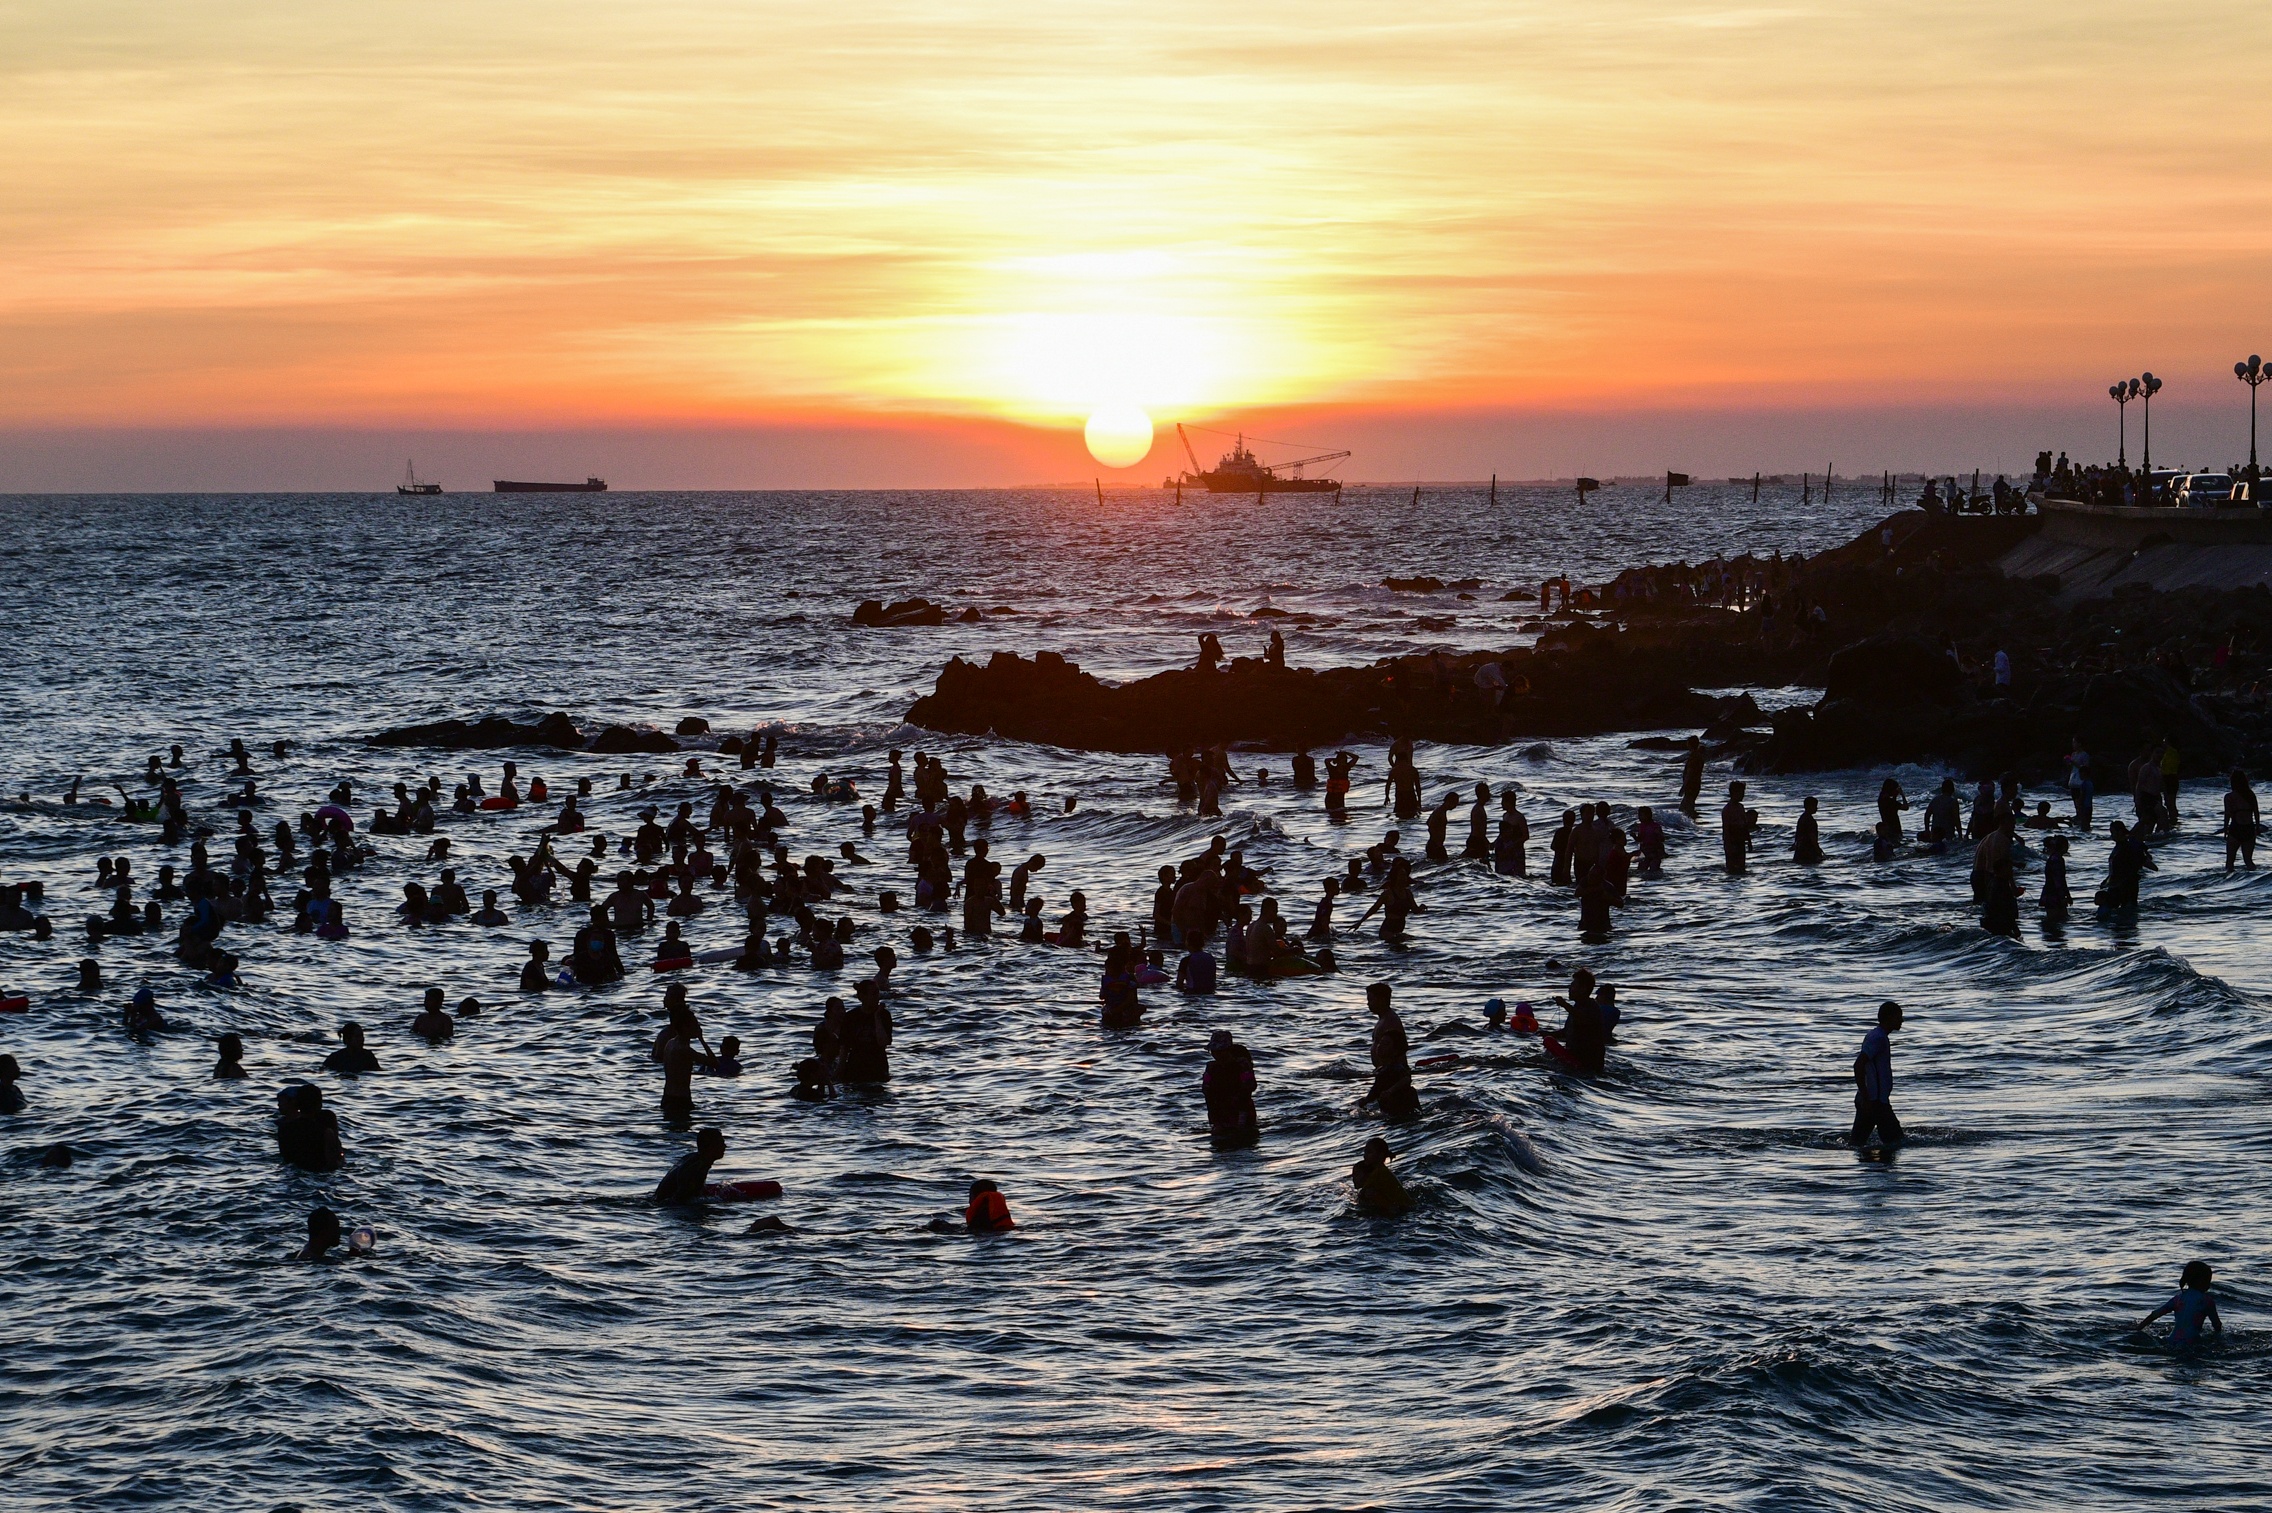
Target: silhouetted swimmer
1806 844
536 972
1736 825
1891 802
1378 1189
307 1133
434 1024
230 1048
1391 1056
90 975
2190 1307
988 1211
812 1081
2242 822
2055 898
1873 1082
323 1236
1692 775
1196 973
1228 1088
489 914
352 1059
142 1017
11 1096
684 1182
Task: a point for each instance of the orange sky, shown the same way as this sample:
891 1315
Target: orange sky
514 214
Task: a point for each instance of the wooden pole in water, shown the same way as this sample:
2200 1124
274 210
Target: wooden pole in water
1827 474
1806 488
1494 488
1416 494
1755 488
1100 491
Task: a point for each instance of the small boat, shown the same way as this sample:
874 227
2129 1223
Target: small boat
412 485
588 486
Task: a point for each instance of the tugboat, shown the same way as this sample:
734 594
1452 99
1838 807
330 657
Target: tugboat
410 482
1241 472
588 486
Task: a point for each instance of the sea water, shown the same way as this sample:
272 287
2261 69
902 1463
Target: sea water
1674 1287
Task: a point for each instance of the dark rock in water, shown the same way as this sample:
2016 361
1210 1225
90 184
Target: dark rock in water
1894 670
555 730
730 746
694 724
1465 583
1740 715
970 616
622 740
1267 612
916 611
1414 585
2122 712
1049 699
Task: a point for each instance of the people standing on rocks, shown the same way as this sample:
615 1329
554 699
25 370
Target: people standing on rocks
2079 783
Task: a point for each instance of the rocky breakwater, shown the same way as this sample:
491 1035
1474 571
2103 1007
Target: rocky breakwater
556 731
1577 681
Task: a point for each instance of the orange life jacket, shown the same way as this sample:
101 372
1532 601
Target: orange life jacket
989 1211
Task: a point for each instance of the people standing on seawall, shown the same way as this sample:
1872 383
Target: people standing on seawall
1736 824
1873 1081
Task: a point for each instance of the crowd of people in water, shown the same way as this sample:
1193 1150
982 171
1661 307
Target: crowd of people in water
1213 915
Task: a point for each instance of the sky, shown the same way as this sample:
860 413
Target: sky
246 243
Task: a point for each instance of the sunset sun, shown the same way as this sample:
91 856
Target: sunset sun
1119 436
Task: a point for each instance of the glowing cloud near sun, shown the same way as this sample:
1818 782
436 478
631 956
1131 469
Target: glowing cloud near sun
1119 436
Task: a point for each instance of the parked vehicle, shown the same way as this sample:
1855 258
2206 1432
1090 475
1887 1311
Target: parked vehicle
2202 490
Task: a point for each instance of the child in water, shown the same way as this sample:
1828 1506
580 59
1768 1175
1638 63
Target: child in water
2191 1305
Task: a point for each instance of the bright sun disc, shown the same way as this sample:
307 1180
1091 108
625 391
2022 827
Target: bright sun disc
1119 436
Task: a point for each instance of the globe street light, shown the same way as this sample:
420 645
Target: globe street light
2148 386
2120 394
2253 373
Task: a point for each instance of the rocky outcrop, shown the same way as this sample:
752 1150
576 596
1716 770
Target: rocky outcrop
876 614
630 740
1567 691
555 730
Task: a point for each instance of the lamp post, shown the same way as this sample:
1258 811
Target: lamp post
2253 373
2120 394
2148 387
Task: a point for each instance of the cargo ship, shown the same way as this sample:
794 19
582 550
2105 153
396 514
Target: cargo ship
588 486
1241 472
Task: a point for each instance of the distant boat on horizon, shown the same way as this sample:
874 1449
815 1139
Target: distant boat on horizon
512 486
410 482
1241 472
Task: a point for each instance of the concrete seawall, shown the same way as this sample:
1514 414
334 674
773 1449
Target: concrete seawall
2095 549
